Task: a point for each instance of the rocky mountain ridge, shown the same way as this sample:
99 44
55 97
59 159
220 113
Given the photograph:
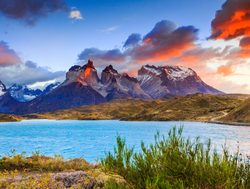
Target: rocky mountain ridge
82 86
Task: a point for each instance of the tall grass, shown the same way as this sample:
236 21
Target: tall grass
175 162
37 162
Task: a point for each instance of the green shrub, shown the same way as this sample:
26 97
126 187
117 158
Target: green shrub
175 162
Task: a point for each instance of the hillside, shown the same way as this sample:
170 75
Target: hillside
9 118
198 107
240 114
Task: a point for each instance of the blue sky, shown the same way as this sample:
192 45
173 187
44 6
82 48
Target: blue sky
55 41
43 32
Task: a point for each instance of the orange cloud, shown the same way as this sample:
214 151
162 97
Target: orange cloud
225 70
163 42
7 55
232 20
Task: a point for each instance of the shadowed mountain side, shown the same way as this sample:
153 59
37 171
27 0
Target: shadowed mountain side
198 107
72 95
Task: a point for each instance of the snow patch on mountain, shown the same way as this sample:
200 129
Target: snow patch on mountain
178 73
2 89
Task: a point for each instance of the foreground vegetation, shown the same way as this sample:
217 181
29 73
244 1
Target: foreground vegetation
198 107
41 172
171 162
174 162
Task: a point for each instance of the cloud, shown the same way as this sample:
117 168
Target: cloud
165 41
232 20
8 56
75 14
225 70
245 43
13 70
29 11
102 56
132 40
109 29
28 73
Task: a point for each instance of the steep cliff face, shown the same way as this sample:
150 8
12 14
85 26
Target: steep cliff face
120 86
86 75
166 81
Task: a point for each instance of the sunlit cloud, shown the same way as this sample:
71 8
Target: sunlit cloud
75 14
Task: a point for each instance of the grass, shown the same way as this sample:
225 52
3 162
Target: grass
9 118
174 162
240 114
39 163
198 107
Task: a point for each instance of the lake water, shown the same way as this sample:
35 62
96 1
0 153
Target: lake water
91 139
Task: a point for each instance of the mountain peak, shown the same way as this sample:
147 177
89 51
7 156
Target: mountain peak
110 69
2 88
90 64
163 81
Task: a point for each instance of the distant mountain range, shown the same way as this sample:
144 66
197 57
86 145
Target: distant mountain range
82 86
22 93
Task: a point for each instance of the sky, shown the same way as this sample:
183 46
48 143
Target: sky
41 39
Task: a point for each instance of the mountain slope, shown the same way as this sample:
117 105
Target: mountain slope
240 114
164 81
67 96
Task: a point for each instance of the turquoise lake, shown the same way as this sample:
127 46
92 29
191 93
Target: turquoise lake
91 139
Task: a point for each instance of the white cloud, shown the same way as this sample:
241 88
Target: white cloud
75 14
109 29
28 73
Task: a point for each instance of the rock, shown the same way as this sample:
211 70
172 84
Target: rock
69 179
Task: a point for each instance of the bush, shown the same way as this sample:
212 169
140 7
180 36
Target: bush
175 162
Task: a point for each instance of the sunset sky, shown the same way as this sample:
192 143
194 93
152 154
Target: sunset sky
41 39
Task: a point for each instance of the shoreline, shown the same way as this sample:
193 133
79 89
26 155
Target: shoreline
230 123
125 120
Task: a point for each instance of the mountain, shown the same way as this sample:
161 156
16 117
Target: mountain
2 89
82 86
64 97
22 93
120 86
164 81
51 87
78 89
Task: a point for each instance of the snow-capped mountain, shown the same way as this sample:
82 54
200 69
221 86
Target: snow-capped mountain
2 89
22 93
166 81
82 86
